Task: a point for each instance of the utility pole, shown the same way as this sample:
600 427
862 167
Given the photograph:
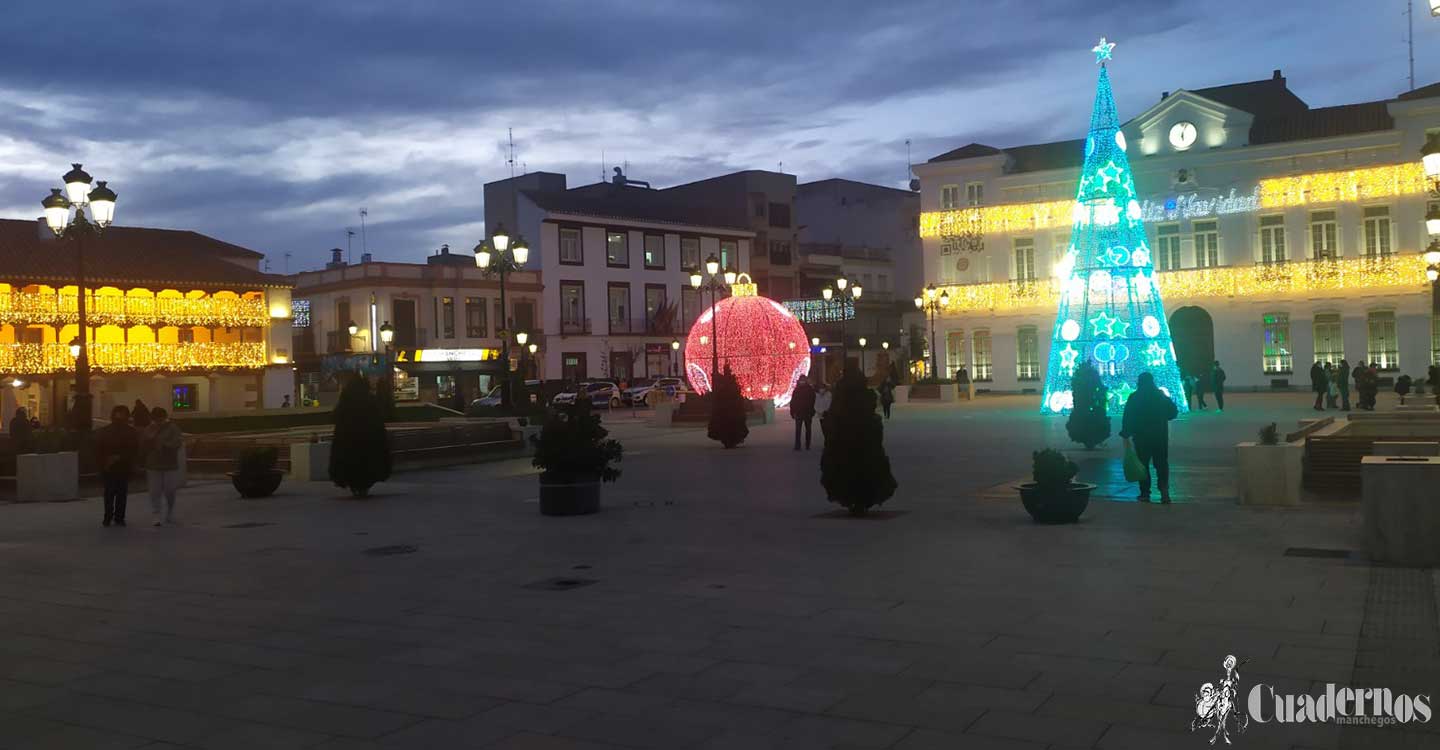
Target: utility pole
1410 38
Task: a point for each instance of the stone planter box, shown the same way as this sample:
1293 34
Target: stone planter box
310 462
1269 474
47 477
1401 512
902 394
529 436
931 392
664 414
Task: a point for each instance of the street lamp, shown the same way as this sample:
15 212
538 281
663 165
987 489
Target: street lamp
509 255
931 303
100 200
352 328
713 283
1432 258
862 353
387 334
829 294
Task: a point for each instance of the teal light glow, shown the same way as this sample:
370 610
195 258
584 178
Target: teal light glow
1110 313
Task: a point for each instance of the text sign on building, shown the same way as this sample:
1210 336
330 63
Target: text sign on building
820 310
1192 206
447 355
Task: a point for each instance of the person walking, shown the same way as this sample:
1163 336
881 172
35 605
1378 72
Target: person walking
1200 386
1217 380
1318 385
1146 422
22 432
116 446
160 445
1372 385
802 410
1342 384
139 415
1402 387
887 395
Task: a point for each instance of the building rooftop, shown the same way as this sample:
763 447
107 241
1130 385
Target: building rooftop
605 200
841 181
129 255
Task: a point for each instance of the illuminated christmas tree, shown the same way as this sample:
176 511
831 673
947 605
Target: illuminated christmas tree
1110 310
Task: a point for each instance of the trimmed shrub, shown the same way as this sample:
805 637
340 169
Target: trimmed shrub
728 409
854 468
360 456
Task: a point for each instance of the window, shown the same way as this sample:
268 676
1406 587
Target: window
689 306
184 397
300 313
475 317
982 371
654 302
342 314
1167 247
572 252
974 193
1276 358
501 321
759 202
954 353
1024 258
690 253
447 317
882 283
1377 231
1207 244
619 306
1382 350
654 251
617 248
1329 342
1322 235
524 311
779 253
1272 239
949 196
729 252
572 303
780 215
1027 353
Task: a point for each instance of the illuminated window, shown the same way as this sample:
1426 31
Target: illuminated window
1027 353
1329 338
1272 239
617 248
954 353
974 194
1377 231
300 313
729 251
949 196
1207 244
1024 259
983 366
1382 349
572 304
1167 247
1323 230
654 251
1276 358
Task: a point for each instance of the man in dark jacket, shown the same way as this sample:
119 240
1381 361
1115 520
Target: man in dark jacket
802 410
1319 384
1217 380
116 446
1342 383
1201 383
1147 423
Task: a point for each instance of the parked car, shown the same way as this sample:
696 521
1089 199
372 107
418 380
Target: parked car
641 393
493 397
600 393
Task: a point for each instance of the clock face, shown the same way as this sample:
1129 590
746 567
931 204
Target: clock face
1182 135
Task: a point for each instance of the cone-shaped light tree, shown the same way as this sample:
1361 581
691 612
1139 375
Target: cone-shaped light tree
1110 313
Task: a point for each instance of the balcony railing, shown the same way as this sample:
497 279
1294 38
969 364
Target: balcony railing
1261 281
21 308
574 327
342 341
644 326
40 359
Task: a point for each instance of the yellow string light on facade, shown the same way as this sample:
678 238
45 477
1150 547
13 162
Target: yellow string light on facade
1392 273
41 359
1343 186
32 308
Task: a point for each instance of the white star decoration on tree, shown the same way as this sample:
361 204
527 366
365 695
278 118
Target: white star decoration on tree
1103 51
1068 355
1155 354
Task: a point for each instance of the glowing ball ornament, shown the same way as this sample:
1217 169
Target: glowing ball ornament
762 342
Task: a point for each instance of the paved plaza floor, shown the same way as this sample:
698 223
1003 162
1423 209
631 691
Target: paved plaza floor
715 603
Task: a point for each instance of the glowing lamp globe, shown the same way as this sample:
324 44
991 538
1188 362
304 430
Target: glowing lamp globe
761 341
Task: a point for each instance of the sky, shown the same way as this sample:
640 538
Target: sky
272 124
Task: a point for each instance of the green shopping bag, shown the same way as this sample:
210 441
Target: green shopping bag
1134 470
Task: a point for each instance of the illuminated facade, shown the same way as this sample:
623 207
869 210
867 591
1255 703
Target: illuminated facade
176 319
1280 235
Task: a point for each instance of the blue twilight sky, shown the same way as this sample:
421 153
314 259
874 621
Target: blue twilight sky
270 124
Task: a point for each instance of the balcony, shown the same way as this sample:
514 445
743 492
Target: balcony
643 327
22 308
337 342
574 327
41 359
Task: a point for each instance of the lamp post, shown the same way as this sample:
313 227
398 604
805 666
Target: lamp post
930 303
842 284
712 280
506 258
862 355
522 338
100 200
675 357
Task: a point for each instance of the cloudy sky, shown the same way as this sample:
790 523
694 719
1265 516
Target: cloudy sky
270 124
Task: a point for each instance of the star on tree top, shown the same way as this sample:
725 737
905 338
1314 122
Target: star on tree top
1103 51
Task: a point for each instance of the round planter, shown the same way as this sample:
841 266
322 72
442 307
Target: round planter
569 499
258 484
1047 506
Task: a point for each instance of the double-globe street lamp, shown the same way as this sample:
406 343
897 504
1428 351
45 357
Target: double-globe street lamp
77 196
714 280
505 258
930 302
842 284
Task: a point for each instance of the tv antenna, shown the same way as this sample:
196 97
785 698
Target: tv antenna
510 135
287 262
364 247
349 235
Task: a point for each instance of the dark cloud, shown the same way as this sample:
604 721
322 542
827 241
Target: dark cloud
270 124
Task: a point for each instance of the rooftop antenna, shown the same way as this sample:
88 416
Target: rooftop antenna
349 235
364 248
1410 38
510 134
287 262
779 166
602 165
266 268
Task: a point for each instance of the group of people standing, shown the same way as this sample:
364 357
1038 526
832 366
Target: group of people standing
1331 384
1196 385
144 439
807 400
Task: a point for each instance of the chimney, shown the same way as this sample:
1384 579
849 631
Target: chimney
337 259
1276 76
365 258
444 249
1164 95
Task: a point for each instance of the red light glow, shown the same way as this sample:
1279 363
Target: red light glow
761 341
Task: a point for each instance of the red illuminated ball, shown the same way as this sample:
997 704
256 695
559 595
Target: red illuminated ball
760 340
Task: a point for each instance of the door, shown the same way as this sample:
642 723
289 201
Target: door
403 311
572 366
1193 331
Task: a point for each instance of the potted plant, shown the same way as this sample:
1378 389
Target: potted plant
360 453
255 474
1055 496
574 457
853 467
